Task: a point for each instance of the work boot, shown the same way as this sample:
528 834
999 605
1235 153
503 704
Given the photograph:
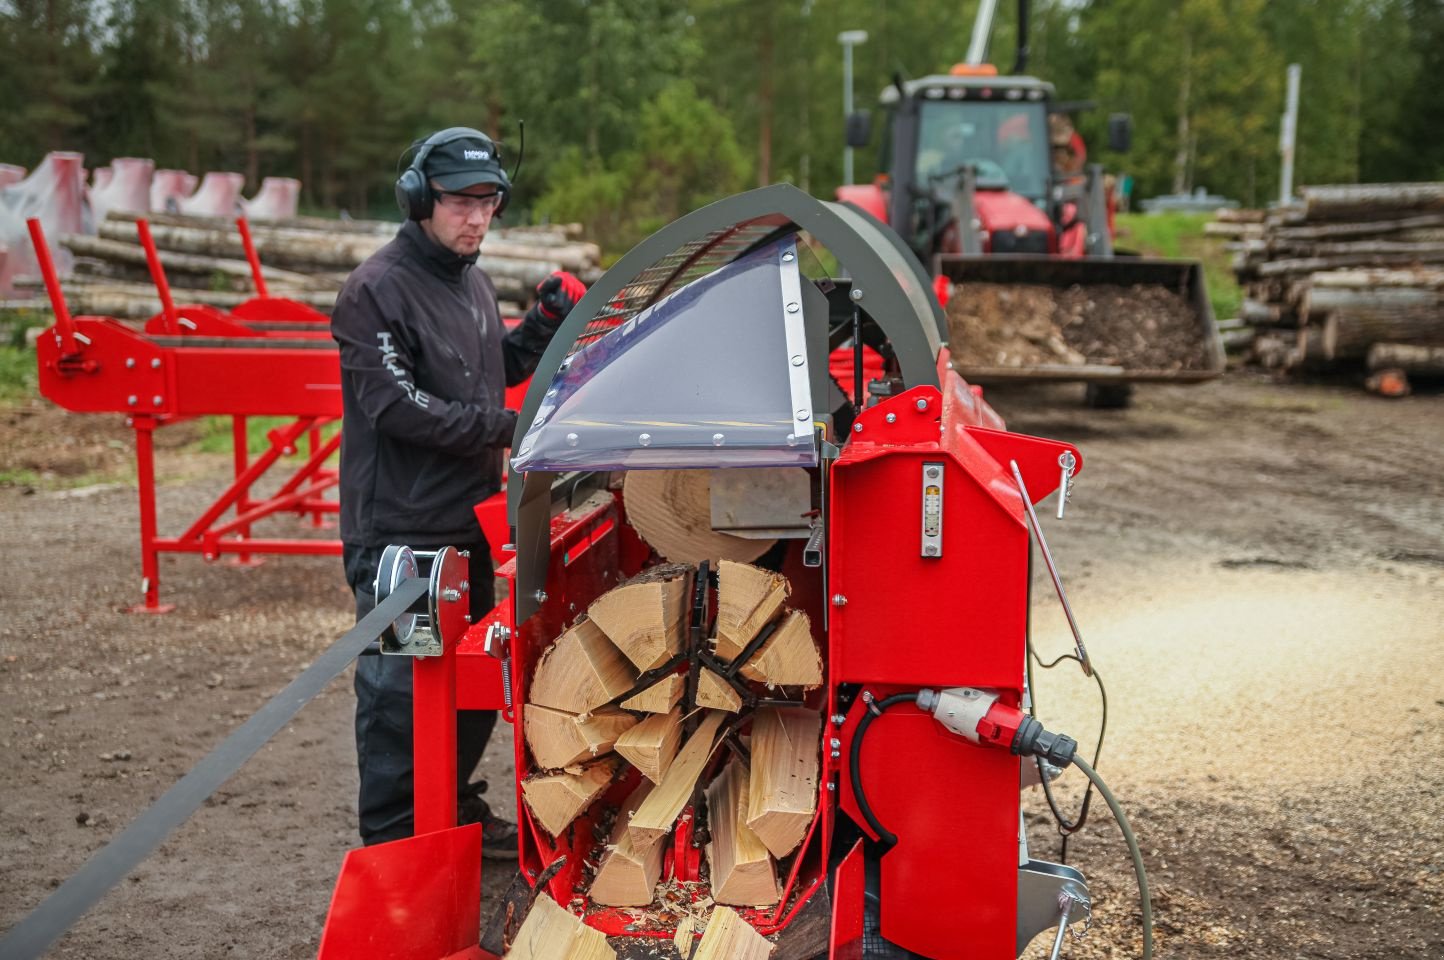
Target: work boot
498 836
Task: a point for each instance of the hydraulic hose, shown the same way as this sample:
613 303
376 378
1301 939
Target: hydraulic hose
875 709
1139 873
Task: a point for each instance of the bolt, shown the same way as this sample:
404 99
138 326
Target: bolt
155 363
156 400
466 584
571 439
717 439
933 473
839 719
464 554
922 404
788 257
835 743
831 785
129 363
541 596
838 600
857 428
793 307
645 439
451 595
797 360
466 617
892 418
132 400
867 696
930 551
802 414
856 293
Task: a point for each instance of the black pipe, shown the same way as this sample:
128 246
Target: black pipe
1021 63
874 710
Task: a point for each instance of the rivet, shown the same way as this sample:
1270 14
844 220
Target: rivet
717 439
892 418
856 293
788 257
156 400
645 439
857 428
155 363
838 600
129 362
571 439
541 596
793 307
922 404
930 551
802 414
132 399
797 360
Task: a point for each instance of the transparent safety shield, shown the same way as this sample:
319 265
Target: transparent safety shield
714 375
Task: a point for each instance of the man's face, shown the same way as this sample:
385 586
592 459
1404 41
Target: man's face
459 219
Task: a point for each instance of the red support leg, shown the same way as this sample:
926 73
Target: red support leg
145 481
240 453
433 714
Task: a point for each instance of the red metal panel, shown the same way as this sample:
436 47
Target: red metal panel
412 899
847 907
295 383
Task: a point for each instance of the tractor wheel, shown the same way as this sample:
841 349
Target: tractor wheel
1108 396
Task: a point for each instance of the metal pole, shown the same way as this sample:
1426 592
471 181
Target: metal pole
848 39
1287 135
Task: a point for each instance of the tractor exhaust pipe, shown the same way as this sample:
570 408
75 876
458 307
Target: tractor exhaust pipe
1020 65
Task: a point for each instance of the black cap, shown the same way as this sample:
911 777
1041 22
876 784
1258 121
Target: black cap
465 162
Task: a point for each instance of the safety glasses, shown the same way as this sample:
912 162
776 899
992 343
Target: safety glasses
468 202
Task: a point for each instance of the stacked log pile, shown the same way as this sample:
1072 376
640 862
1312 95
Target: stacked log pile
304 258
630 719
1353 276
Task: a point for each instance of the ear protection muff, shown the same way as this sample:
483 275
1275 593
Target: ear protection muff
414 195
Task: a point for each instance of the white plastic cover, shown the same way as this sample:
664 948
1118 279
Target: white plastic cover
714 375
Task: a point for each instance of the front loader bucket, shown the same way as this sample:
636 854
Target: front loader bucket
1023 317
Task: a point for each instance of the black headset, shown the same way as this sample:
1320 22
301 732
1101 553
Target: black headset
413 190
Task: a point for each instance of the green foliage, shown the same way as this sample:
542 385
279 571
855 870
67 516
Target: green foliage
17 373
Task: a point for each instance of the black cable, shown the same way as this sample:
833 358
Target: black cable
875 709
1066 827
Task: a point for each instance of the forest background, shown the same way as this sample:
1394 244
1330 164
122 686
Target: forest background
637 111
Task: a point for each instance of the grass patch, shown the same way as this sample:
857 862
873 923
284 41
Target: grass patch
216 435
17 373
1180 236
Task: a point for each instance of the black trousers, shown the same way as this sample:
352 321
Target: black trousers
383 708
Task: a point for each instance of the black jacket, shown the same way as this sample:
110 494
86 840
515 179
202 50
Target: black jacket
424 363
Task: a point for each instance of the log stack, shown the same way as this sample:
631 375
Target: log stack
304 258
634 717
1350 268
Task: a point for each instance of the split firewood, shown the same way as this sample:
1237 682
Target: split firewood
785 760
743 873
659 697
627 875
559 739
747 598
651 744
672 510
685 938
645 616
655 817
556 799
789 657
550 932
716 693
581 671
729 937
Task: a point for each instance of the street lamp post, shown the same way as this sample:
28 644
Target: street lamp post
848 39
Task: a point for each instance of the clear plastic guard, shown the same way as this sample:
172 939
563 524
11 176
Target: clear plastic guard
714 375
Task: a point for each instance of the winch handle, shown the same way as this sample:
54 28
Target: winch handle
157 276
64 323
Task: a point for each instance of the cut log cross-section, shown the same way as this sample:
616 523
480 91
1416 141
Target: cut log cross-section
747 598
651 744
789 657
715 693
559 739
645 616
743 873
550 931
556 799
655 817
729 937
581 671
627 875
660 696
783 794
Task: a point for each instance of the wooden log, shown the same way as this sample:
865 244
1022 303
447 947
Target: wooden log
1365 200
628 872
556 799
789 657
1324 300
1349 333
672 510
1223 229
1366 248
1275 351
581 671
747 598
1239 215
1252 311
1280 268
137 301
651 744
743 873
715 693
1334 231
1420 277
658 812
685 937
559 739
551 932
785 762
645 616
130 252
660 696
1408 357
729 937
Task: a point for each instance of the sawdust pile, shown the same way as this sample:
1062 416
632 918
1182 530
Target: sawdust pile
1138 327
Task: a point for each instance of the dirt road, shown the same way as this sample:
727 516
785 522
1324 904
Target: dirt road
1258 571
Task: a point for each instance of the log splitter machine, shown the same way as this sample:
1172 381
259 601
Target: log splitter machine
720 343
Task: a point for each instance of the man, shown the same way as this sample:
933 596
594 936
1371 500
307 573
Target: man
424 362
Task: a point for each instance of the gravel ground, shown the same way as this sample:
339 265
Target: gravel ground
1258 571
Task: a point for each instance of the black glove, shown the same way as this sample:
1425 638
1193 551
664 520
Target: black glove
557 294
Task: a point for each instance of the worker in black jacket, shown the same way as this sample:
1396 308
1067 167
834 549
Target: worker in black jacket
424 363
